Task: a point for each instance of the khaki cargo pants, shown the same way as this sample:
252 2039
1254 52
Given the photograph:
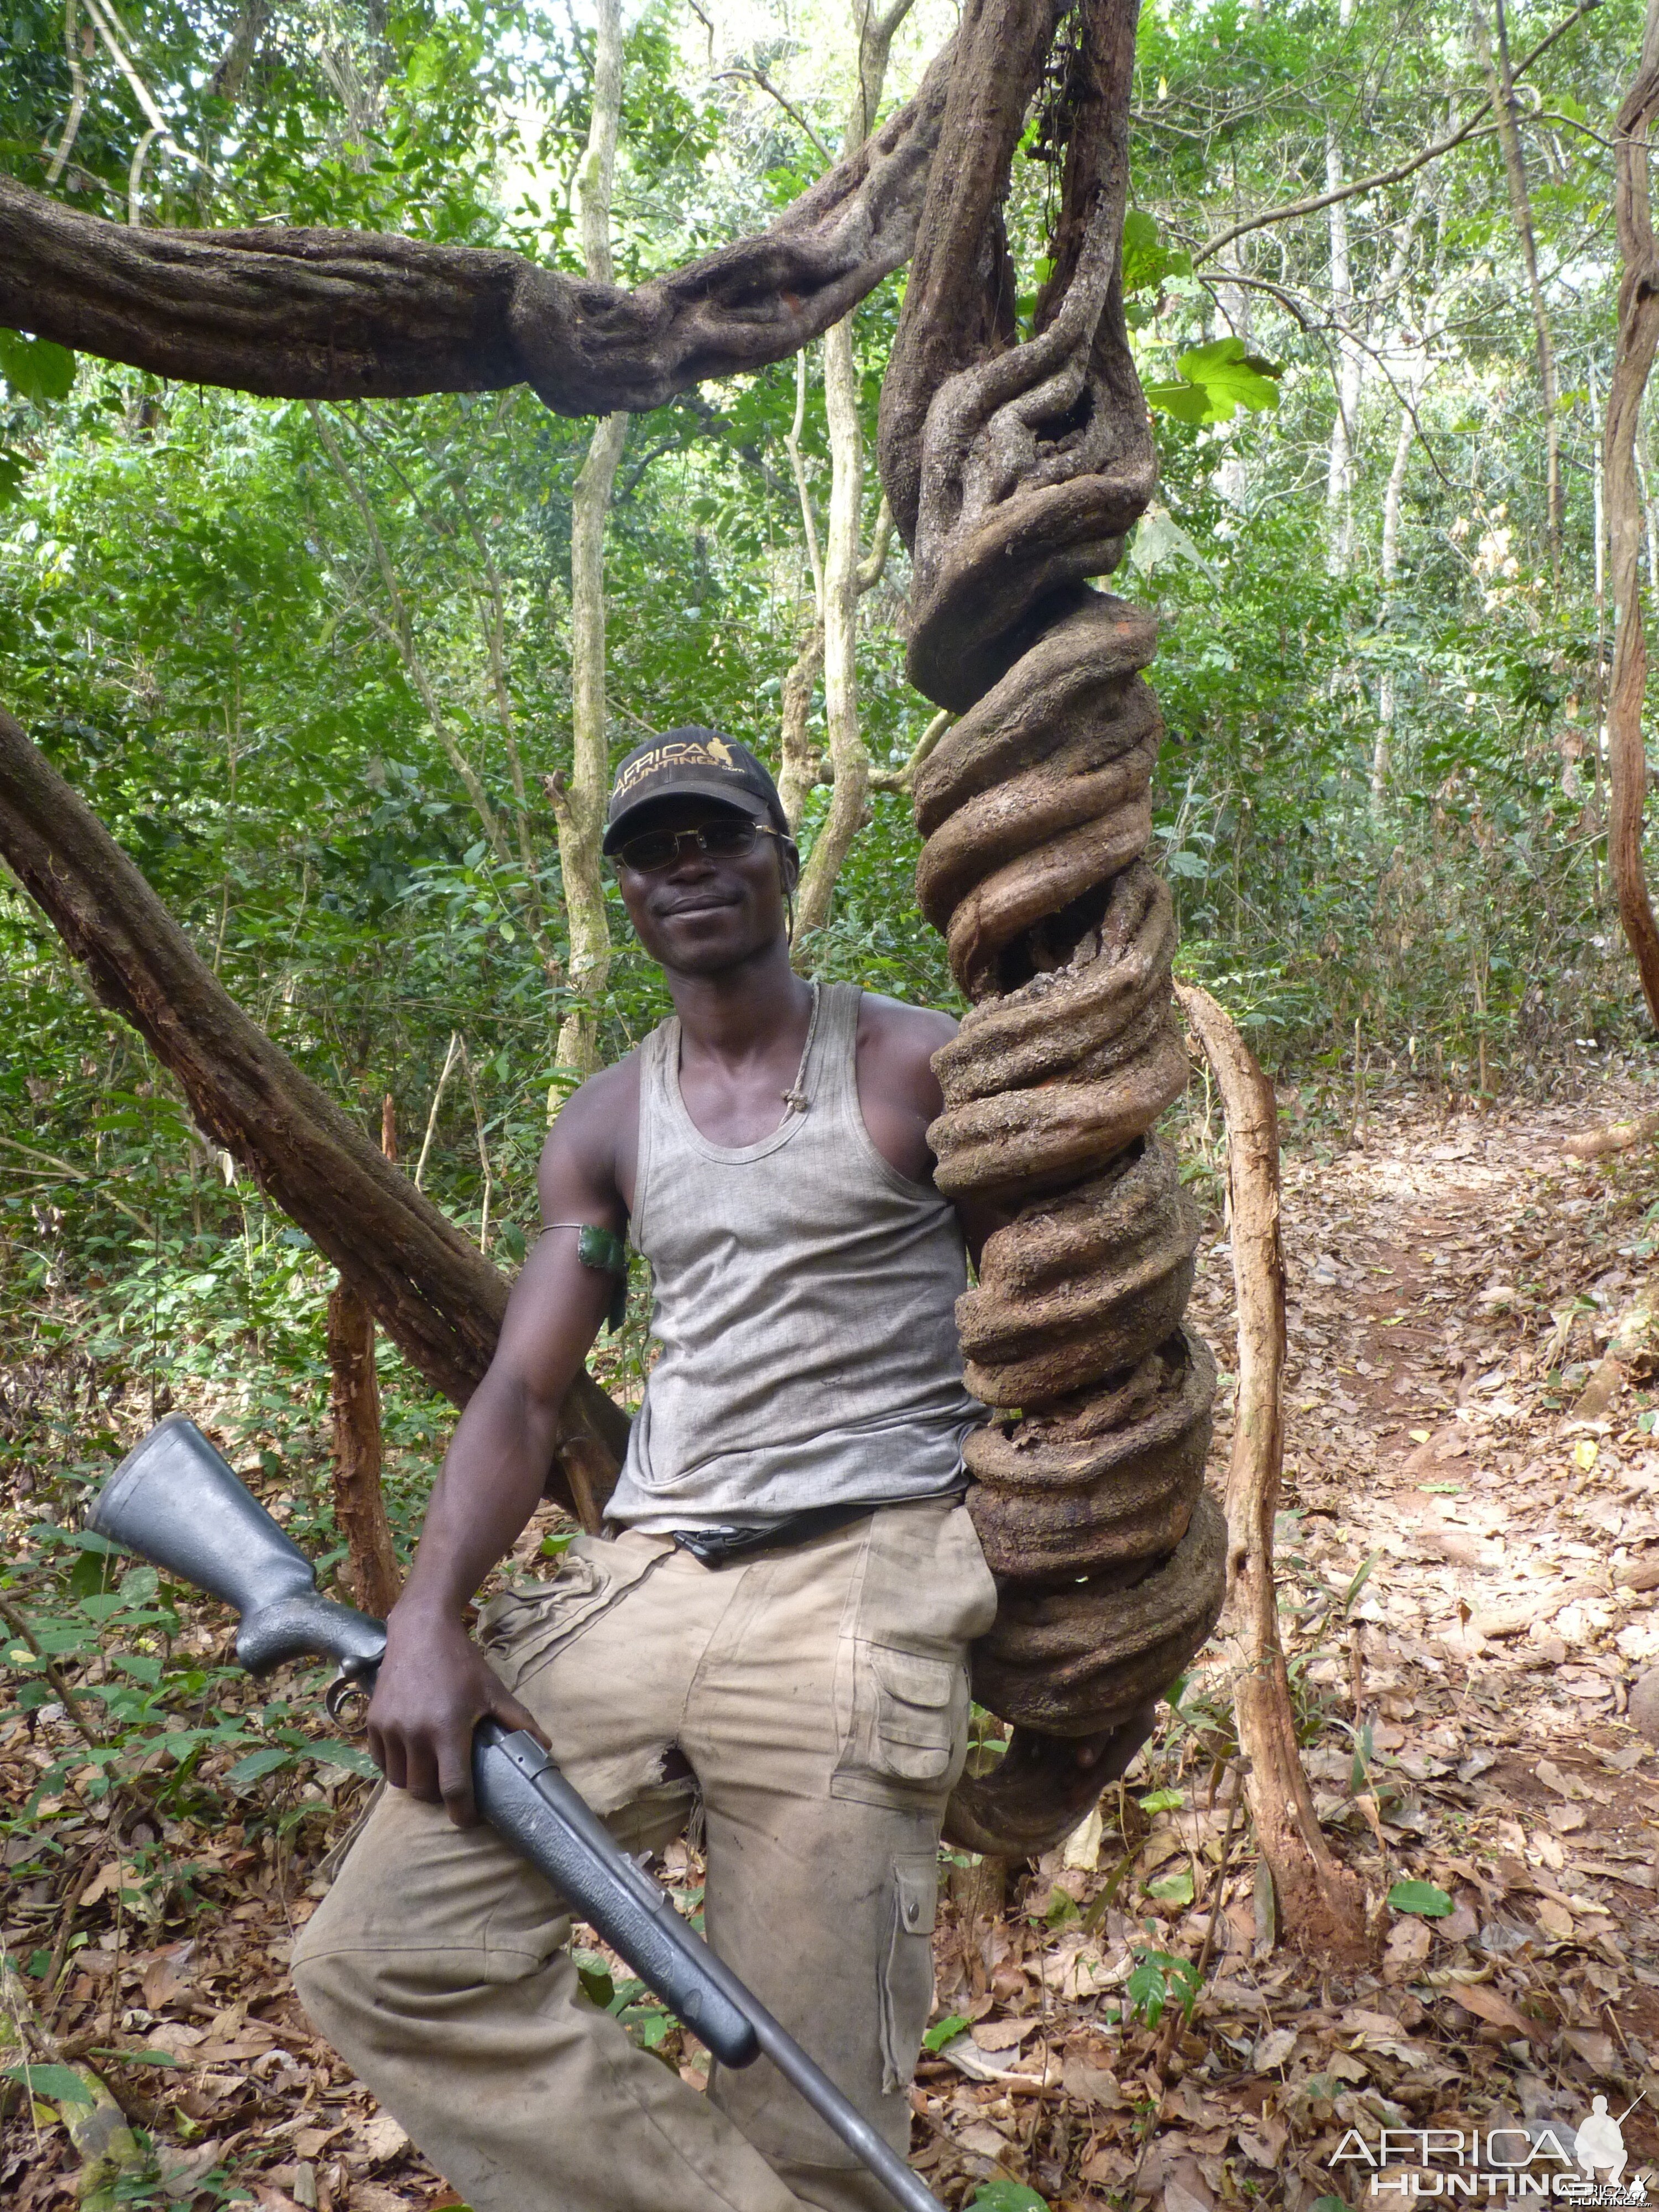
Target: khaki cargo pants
814 1699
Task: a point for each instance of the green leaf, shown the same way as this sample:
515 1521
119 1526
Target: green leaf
1186 402
1004 2196
1365 1750
1159 540
1173 1888
1162 1801
1420 1897
257 1765
347 1755
1158 1977
597 1986
61 2085
944 2031
1360 1582
1146 260
1219 379
36 369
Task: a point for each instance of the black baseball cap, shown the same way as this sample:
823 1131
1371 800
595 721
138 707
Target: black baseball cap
695 764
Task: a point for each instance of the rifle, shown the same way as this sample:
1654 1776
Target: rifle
174 1502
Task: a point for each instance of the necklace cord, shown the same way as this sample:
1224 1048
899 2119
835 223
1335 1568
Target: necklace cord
795 1099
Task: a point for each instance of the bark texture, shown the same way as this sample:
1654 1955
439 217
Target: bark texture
358 1500
1015 473
842 586
433 1293
1638 334
325 314
1321 1905
580 807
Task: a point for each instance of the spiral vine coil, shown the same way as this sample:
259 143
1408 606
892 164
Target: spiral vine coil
1088 1483
1015 470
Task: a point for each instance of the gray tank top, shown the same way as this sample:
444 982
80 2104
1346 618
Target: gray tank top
804 1301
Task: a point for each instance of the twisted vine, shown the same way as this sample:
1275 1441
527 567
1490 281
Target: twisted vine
1015 472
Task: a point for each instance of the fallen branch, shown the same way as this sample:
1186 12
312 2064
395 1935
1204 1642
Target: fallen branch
427 1283
1322 1903
95 2121
1517 1619
1614 1137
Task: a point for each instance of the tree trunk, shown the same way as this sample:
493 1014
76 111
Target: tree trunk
843 586
1638 334
850 763
579 807
580 810
1393 497
1350 372
1322 1903
321 314
433 1293
358 1500
1501 83
355 1406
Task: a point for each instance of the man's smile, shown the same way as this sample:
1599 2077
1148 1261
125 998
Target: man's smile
702 903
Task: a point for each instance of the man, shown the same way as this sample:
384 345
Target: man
772 1634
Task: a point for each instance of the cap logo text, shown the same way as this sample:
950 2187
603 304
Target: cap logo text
683 753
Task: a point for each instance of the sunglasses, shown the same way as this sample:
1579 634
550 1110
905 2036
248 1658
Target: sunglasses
717 840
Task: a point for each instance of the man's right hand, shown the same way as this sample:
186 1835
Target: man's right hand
434 1687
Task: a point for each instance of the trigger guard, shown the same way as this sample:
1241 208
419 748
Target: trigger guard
340 1693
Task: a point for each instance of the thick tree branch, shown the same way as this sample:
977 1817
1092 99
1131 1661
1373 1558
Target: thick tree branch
325 314
432 1291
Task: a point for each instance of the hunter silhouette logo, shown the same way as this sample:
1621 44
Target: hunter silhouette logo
1546 2161
1599 2147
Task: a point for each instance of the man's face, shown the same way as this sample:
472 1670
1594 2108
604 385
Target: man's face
701 916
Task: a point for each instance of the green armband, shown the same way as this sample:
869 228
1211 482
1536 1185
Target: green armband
606 1254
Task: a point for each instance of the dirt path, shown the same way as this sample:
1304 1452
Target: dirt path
1450 1288
1468 1548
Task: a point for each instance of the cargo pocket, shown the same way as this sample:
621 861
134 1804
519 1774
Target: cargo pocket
906 1983
909 1714
915 1705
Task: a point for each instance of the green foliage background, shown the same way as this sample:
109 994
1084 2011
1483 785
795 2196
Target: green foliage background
194 626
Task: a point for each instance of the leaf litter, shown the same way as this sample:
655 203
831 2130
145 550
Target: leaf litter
1468 1551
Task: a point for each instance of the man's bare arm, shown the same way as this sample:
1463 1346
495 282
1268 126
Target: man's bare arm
435 1684
899 1096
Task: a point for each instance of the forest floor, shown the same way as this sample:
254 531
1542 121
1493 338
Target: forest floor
1469 1547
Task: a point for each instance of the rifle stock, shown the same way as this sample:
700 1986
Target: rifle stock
174 1502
